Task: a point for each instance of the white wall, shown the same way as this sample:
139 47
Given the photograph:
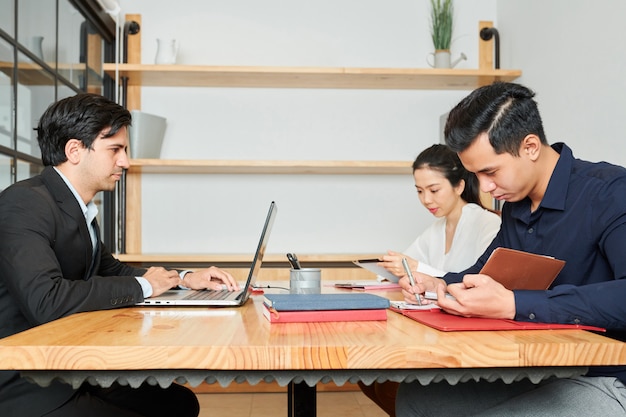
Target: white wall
572 53
559 45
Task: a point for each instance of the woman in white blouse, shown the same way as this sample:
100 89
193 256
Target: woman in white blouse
463 227
460 234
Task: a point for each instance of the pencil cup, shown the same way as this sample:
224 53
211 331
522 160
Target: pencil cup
305 281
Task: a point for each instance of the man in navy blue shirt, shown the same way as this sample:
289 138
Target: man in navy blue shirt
556 205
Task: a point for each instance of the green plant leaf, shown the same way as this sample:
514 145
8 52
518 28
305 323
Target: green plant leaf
441 23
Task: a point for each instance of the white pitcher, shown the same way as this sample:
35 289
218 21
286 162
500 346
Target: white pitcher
166 51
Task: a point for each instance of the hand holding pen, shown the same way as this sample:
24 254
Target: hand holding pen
293 260
405 264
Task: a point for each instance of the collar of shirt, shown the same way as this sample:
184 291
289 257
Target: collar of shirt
555 196
556 193
90 211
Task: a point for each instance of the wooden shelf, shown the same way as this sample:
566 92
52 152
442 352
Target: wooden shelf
230 258
140 75
308 77
164 166
275 266
28 73
33 74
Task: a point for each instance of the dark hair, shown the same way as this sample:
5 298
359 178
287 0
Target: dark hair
82 117
505 111
443 159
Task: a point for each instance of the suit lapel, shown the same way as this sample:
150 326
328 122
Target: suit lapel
67 203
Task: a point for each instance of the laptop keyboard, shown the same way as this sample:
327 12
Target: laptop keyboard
209 295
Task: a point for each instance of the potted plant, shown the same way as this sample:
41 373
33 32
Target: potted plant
441 32
441 24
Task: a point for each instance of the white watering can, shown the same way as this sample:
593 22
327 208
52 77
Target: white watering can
441 59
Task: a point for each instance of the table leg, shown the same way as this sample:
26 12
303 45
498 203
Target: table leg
302 400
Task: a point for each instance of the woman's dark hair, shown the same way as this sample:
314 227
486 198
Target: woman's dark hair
83 117
505 111
443 159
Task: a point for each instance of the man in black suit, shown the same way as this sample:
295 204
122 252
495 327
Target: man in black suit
53 264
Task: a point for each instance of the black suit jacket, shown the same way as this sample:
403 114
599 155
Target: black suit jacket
45 263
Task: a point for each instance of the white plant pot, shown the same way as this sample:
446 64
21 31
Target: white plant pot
146 135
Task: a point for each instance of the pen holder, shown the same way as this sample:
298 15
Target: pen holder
305 281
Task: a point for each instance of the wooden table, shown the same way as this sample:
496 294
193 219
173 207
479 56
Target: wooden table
195 345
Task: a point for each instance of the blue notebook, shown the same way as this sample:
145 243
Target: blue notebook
300 302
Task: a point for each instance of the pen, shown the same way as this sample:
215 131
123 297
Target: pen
405 264
293 260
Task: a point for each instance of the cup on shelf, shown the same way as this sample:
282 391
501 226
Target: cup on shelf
36 46
167 49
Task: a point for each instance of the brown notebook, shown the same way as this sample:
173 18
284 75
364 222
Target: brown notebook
518 270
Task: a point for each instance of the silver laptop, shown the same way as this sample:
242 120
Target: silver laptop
222 298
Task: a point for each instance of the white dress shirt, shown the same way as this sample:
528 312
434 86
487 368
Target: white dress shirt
476 229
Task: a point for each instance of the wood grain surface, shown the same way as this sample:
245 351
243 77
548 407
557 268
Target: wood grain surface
242 339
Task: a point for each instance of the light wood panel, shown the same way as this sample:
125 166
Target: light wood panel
241 339
234 258
485 48
335 267
133 213
165 166
271 275
265 387
33 74
310 77
133 93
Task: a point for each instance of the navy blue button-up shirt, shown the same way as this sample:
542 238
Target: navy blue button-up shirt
581 220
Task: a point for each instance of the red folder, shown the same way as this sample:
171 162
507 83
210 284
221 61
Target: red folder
446 322
305 316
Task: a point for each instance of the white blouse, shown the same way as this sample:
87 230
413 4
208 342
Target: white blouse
476 229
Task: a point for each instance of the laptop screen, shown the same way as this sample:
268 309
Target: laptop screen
260 251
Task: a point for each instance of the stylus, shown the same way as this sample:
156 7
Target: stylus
293 260
405 264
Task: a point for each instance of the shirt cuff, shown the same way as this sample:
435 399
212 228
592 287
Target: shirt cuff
146 288
182 274
532 306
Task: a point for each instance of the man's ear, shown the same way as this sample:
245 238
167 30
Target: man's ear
73 149
531 147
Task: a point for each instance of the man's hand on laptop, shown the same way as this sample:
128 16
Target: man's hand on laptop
212 278
161 279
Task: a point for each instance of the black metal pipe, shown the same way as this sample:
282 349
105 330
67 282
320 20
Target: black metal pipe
488 33
130 28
